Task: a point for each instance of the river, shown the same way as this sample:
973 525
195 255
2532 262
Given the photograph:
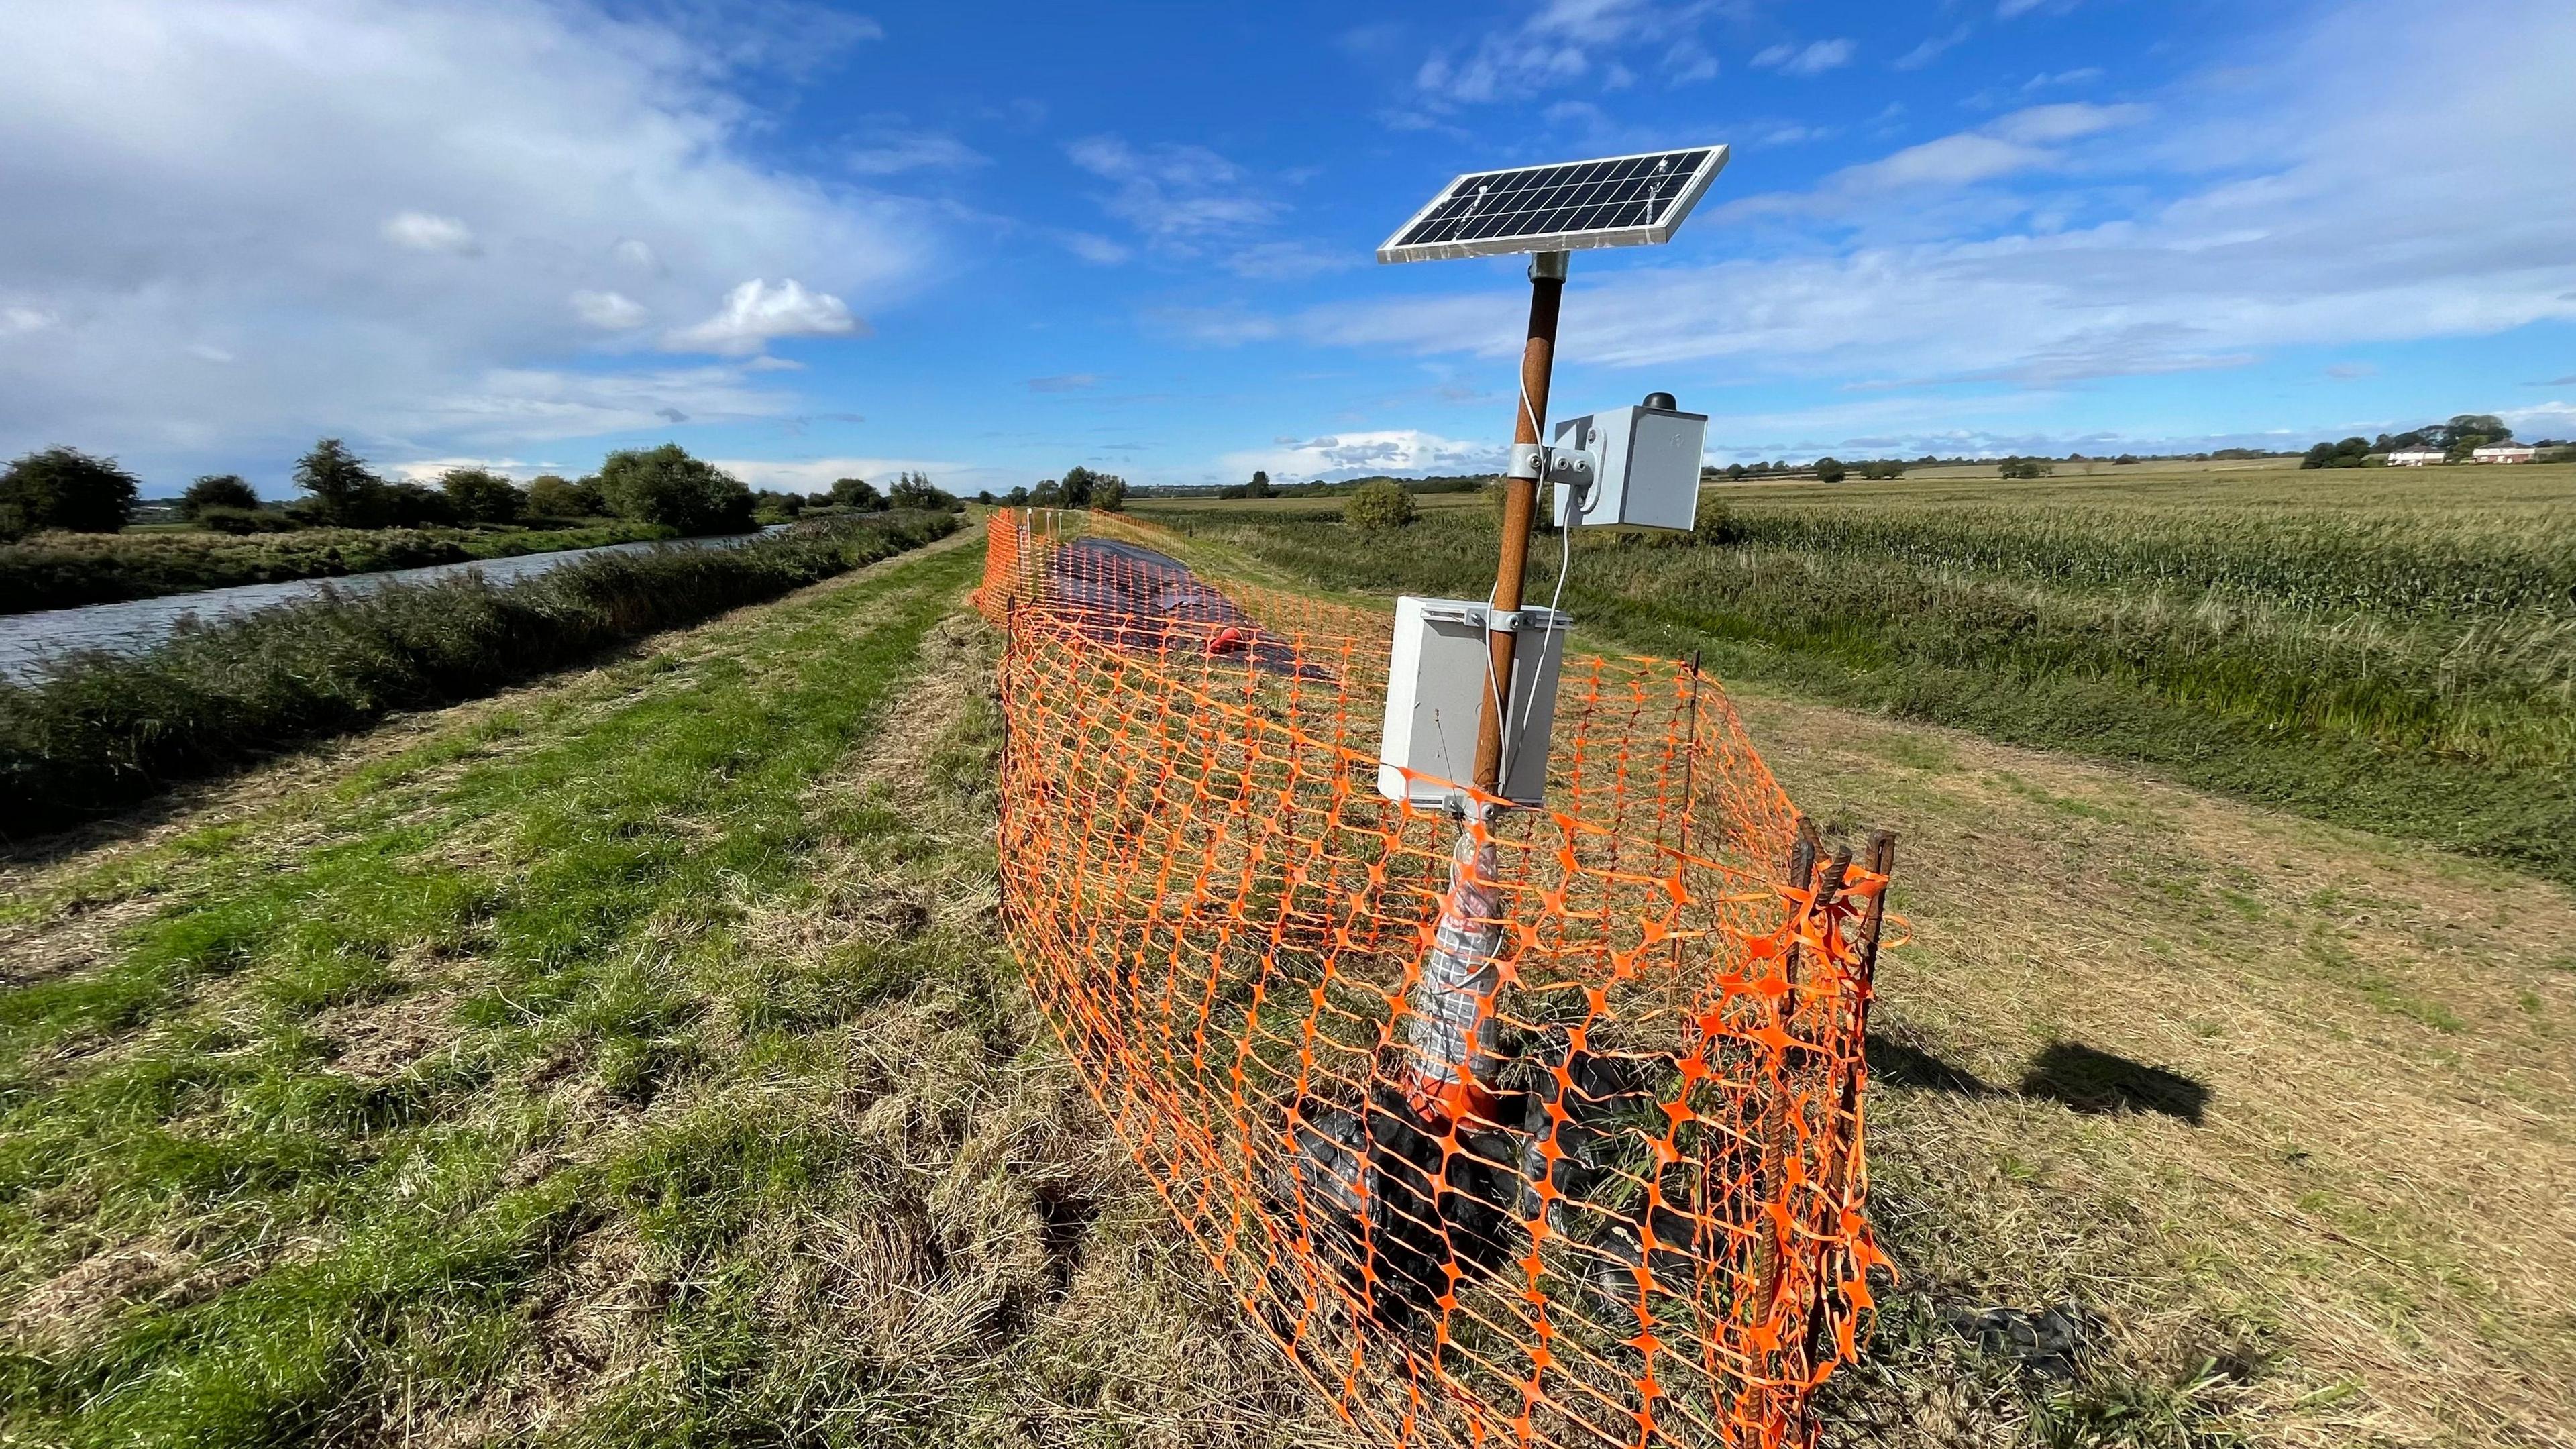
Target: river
27 640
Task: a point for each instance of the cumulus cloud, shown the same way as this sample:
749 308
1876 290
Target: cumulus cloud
1566 41
318 154
1814 58
756 313
2331 221
610 311
1357 455
421 232
815 475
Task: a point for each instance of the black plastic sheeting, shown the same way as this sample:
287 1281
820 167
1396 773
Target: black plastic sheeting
1133 598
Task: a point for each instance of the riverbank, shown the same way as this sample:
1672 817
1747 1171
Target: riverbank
633 1056
71 570
102 730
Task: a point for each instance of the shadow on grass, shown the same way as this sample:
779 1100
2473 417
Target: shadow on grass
2071 1074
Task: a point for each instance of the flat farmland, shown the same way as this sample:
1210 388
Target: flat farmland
2388 649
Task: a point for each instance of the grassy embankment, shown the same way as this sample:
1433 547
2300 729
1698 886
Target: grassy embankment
100 729
2391 650
631 1058
67 570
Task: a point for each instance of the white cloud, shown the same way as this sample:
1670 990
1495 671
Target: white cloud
1931 49
2330 220
15 320
421 232
814 475
311 147
893 152
1565 41
610 311
2009 145
756 313
533 404
1065 382
208 352
1174 195
1357 455
1814 58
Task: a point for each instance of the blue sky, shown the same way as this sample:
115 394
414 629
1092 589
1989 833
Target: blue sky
994 241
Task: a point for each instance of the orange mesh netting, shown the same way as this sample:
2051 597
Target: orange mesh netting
1540 1128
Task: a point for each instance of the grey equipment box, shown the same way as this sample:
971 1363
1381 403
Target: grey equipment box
1645 467
1435 687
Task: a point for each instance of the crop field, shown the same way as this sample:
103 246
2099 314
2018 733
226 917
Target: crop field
2389 649
633 1057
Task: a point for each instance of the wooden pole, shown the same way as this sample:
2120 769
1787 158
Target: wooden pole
1520 507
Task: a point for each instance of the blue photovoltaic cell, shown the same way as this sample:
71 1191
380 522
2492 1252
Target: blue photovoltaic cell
1549 201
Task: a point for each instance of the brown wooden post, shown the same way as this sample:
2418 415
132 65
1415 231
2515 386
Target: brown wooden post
1520 507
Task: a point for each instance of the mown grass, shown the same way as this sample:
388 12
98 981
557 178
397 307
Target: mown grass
96 730
716 1117
2403 666
68 570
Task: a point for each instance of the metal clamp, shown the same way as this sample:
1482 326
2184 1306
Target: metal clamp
1529 460
1502 621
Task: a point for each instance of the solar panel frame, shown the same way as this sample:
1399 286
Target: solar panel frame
1588 210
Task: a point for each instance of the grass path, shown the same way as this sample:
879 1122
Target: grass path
632 1058
628 1060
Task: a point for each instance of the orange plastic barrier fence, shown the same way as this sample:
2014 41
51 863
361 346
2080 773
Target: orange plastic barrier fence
1539 1128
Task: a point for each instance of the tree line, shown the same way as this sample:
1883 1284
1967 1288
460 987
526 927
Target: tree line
72 491
2457 441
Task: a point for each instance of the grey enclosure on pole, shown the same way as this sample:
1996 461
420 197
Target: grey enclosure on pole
1615 201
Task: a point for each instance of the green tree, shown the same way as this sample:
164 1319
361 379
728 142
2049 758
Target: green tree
339 489
1830 470
1260 487
67 489
1018 497
479 495
1736 471
2027 467
1380 503
665 485
217 490
915 490
858 495
1109 495
551 495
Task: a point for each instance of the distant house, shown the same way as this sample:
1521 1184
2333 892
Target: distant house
2415 457
2507 453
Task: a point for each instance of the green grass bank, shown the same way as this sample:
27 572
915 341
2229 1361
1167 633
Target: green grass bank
68 570
101 729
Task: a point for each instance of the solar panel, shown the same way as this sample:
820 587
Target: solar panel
1617 201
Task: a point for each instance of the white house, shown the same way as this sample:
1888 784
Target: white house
2415 457
2508 453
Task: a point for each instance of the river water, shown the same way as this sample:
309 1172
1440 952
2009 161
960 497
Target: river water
27 640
